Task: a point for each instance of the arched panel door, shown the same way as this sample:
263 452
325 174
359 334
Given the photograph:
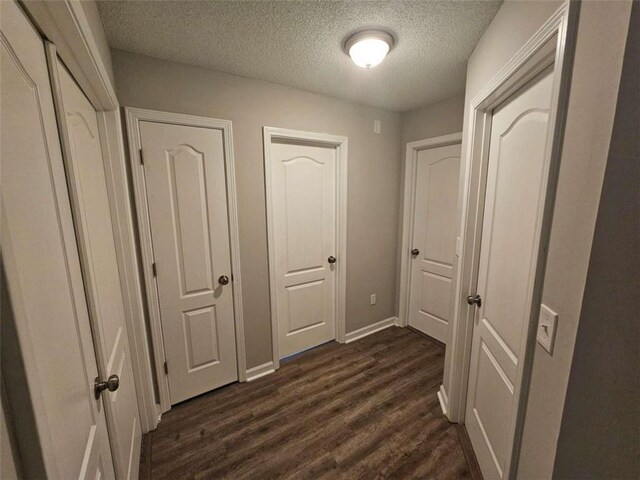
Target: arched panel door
508 254
303 189
90 204
44 302
434 239
184 171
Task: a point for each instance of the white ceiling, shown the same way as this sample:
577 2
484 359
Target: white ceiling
299 43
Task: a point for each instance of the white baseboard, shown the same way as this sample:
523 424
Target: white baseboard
444 400
369 329
260 371
158 417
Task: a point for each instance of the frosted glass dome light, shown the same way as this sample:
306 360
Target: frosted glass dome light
367 49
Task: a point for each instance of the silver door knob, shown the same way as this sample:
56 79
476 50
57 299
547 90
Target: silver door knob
474 300
112 384
415 252
331 259
223 280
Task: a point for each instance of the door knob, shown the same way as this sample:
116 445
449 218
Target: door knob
331 259
223 280
112 384
474 300
415 252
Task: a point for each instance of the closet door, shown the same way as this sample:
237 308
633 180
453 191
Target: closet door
46 305
90 204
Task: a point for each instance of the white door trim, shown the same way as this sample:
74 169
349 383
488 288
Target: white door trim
410 166
133 118
552 44
65 24
341 145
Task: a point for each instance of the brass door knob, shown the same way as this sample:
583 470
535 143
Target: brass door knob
331 259
415 252
223 280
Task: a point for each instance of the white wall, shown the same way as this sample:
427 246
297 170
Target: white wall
373 176
596 72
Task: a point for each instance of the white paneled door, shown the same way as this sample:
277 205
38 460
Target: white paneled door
433 242
46 301
85 170
303 203
513 209
184 169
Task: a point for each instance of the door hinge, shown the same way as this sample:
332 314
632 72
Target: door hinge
141 158
166 368
154 269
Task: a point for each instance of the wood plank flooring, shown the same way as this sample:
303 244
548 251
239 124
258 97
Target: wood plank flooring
367 410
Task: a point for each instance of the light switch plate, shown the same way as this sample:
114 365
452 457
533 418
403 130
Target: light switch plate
372 299
547 328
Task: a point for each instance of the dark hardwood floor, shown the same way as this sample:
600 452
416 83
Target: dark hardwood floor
364 410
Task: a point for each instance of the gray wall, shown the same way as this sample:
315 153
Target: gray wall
9 462
596 71
600 432
441 118
373 175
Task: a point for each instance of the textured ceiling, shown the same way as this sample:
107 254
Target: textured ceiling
299 43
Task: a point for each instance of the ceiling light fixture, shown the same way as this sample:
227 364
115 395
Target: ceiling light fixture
369 47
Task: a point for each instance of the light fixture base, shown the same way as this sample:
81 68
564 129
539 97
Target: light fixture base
369 33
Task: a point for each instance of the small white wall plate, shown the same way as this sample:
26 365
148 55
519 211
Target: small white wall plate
547 328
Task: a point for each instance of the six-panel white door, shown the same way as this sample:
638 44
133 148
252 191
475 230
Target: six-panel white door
303 193
513 209
85 169
40 259
184 169
433 242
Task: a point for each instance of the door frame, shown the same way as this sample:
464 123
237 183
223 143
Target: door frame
408 220
133 118
340 143
552 44
65 25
